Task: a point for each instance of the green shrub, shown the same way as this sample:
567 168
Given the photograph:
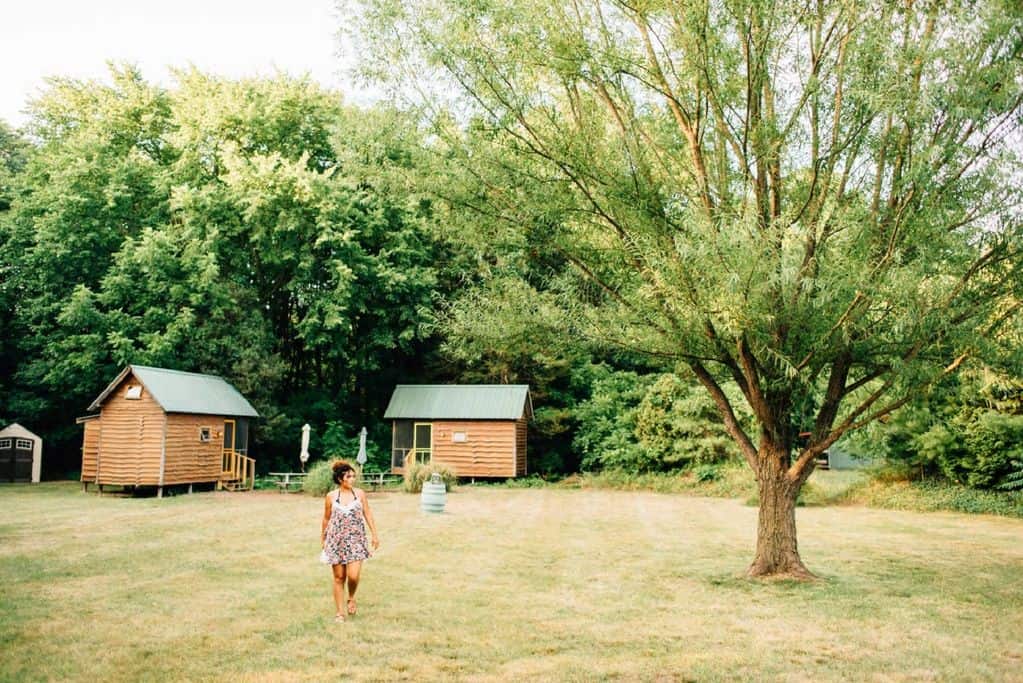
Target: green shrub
706 473
892 471
934 494
319 479
649 423
967 431
677 424
1014 480
264 484
992 442
811 494
606 432
533 481
897 442
417 474
729 480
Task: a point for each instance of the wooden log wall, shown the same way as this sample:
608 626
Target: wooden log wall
190 460
520 448
131 438
489 449
90 448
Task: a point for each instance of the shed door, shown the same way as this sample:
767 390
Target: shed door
16 459
6 459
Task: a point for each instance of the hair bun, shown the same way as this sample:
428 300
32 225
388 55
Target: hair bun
339 468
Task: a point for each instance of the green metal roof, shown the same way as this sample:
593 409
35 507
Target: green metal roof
459 402
185 392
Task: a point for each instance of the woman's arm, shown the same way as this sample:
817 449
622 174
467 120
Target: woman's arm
369 520
326 519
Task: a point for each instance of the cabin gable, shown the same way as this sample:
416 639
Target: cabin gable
130 443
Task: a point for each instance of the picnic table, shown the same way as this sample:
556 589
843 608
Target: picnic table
285 480
375 480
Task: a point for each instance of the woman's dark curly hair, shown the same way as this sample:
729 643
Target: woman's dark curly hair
339 468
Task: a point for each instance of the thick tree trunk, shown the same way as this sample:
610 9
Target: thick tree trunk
777 551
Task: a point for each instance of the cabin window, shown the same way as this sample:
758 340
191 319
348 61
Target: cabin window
402 442
459 437
23 444
205 434
134 391
5 443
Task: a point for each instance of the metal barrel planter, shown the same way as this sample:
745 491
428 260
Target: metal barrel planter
434 495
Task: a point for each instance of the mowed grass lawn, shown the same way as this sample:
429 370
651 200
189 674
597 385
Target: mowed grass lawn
540 584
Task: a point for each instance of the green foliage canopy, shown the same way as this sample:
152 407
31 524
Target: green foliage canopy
241 228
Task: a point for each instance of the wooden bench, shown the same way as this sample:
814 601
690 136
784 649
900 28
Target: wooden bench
285 480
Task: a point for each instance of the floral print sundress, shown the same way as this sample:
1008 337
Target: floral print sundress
346 533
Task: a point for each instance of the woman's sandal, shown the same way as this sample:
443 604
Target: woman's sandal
351 607
339 618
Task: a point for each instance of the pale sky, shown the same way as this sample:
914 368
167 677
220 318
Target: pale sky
233 38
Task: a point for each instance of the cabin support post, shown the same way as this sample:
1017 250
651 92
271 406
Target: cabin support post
159 492
190 487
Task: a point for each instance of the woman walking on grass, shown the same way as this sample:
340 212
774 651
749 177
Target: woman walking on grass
343 535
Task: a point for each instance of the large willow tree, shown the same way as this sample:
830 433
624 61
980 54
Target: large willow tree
817 201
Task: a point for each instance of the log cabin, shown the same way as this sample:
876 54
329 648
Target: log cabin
474 430
158 427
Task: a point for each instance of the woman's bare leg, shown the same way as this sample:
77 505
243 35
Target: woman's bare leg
354 568
339 588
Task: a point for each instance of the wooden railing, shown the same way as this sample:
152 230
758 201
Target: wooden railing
286 480
238 472
377 480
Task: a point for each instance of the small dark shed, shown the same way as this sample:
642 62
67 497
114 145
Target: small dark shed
475 430
21 454
158 427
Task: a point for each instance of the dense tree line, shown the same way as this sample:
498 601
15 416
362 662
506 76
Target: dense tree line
259 230
240 228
